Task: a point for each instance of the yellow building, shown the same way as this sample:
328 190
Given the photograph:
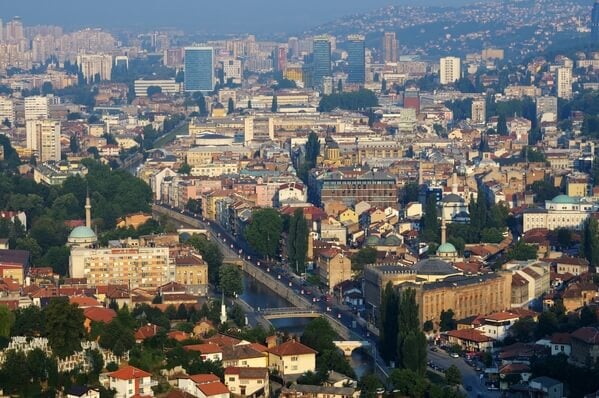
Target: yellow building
334 267
133 220
192 272
348 215
291 358
577 186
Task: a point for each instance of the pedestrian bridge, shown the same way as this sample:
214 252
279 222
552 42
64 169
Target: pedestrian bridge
291 312
349 346
189 232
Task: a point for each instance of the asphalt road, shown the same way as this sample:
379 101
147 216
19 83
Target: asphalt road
469 375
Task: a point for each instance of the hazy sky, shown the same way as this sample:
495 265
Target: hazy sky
219 16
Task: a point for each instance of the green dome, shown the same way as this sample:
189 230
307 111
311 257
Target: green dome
564 199
446 248
82 233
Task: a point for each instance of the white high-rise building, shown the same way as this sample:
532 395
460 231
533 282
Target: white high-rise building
93 65
450 70
232 69
43 137
479 111
37 107
7 110
564 83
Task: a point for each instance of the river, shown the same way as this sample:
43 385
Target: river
259 296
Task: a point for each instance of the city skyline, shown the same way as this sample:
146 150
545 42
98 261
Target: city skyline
237 17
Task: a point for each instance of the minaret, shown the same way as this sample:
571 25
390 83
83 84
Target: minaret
454 184
223 310
88 211
443 230
420 173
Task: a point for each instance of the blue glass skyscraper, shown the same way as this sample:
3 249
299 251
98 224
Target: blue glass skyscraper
199 69
356 59
321 60
595 23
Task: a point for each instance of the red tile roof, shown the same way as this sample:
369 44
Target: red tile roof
211 389
84 301
291 347
247 373
204 378
129 373
147 331
588 335
99 314
469 335
222 340
208 348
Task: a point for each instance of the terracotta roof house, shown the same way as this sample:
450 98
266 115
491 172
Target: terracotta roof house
292 358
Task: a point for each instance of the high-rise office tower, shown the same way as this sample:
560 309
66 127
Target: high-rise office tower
293 45
37 107
564 82
595 23
390 47
479 111
199 69
14 30
356 59
449 70
43 137
1 31
321 60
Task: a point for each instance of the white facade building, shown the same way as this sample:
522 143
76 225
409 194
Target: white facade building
43 136
564 83
450 69
37 107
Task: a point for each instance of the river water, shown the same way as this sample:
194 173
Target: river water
259 296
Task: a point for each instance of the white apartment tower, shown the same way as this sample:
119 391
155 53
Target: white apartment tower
450 70
37 107
479 111
93 65
43 137
7 110
564 82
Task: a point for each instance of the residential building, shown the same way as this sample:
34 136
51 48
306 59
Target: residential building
37 107
7 110
232 70
390 47
147 267
564 83
247 382
95 67
14 264
479 111
497 324
333 267
585 346
55 173
168 86
571 265
310 391
192 272
562 211
546 108
356 59
43 137
130 381
450 70
199 69
203 386
291 358
470 340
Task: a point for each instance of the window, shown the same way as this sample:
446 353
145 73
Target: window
294 358
231 378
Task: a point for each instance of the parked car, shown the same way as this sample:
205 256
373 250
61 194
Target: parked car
454 355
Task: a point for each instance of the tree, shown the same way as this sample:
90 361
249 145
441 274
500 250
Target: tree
523 330
274 107
339 86
389 323
453 377
319 335
430 222
230 280
447 322
118 335
63 323
264 231
587 316
7 320
408 382
96 360
28 322
153 90
522 252
355 100
564 238
364 256
409 193
185 168
547 324
502 125
411 343
544 190
230 106
297 241
47 88
249 104
590 241
384 86
210 253
74 144
312 150
369 383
